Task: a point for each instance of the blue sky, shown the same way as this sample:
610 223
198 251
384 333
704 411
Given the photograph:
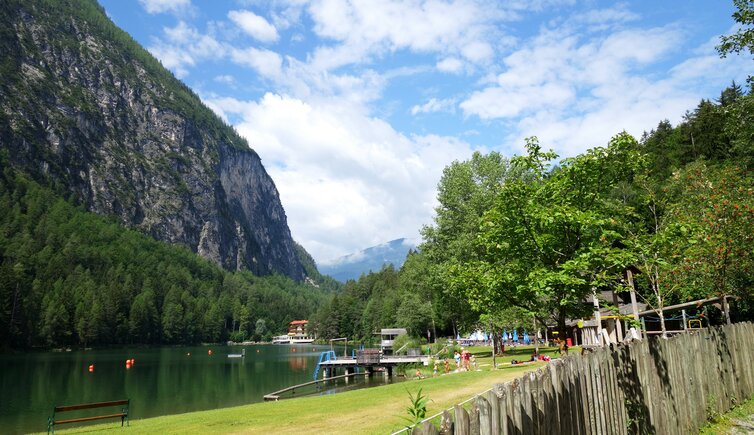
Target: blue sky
355 107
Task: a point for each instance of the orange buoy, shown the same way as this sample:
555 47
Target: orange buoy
91 367
133 360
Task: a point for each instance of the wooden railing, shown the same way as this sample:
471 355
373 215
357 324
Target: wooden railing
663 386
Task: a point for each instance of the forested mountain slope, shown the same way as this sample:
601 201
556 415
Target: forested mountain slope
87 110
70 277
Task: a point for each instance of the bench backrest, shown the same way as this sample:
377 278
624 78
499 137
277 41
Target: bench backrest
90 405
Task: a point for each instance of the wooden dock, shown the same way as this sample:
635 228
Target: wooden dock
369 362
276 395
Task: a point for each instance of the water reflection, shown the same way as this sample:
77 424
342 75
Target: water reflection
164 380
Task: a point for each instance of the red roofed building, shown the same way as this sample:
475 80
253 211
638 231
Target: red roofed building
297 327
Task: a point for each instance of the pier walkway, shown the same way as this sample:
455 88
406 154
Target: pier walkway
368 360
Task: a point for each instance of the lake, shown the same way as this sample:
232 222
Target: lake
162 380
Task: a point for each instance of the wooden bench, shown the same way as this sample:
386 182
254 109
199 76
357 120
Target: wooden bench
123 414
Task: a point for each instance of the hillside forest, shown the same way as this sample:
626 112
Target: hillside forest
73 278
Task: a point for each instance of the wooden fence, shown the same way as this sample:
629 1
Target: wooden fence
653 386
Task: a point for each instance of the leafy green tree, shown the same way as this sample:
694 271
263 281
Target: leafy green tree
415 314
466 191
717 204
657 248
551 238
260 328
743 39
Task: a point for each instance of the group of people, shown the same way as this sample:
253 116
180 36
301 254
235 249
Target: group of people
464 361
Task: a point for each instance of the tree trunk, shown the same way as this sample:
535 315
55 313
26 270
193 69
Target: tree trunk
536 339
562 331
661 313
726 309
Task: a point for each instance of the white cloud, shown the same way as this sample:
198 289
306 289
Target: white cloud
184 46
266 62
450 65
434 105
162 6
576 91
363 30
343 173
226 79
254 25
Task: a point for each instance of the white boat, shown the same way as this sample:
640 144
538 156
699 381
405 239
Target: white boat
281 339
292 339
301 339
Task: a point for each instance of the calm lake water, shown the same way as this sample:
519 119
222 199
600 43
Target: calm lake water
163 380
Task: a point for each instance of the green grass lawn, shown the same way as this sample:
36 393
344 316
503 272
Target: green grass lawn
377 410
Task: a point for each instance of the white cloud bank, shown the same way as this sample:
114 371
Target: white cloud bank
254 25
347 180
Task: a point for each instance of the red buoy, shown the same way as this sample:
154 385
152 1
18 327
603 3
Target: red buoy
91 367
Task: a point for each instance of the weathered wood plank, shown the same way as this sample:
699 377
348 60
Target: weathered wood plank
446 423
485 416
474 418
461 425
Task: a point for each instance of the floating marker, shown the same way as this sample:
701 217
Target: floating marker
91 367
209 352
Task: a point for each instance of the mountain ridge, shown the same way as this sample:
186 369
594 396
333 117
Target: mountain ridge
85 109
351 266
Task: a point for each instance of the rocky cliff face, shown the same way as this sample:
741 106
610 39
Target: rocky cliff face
87 110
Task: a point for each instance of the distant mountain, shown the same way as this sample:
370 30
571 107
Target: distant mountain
371 259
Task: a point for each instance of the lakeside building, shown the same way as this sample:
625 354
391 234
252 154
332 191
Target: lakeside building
387 338
297 334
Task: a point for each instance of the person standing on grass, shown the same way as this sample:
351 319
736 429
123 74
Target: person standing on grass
447 366
457 358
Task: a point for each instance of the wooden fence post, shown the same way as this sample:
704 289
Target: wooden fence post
446 424
461 426
485 415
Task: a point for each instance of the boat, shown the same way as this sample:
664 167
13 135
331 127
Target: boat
292 339
238 355
301 339
281 339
